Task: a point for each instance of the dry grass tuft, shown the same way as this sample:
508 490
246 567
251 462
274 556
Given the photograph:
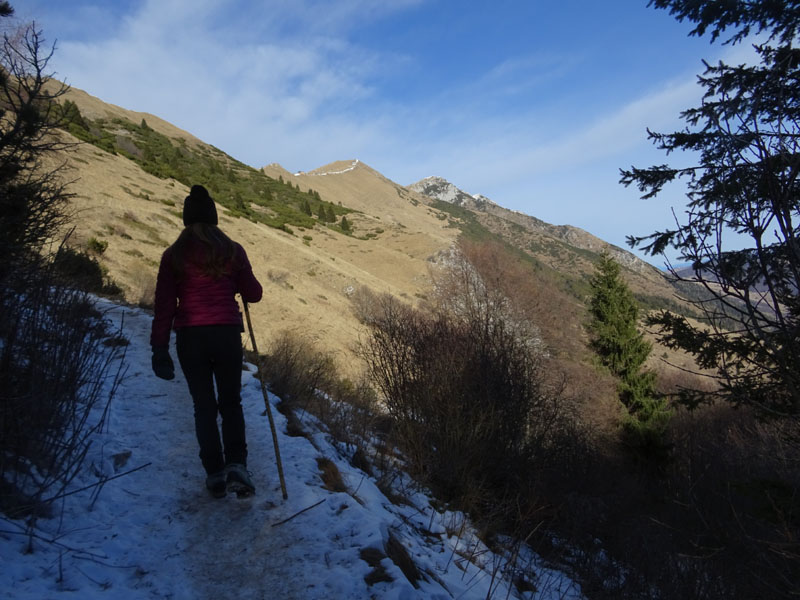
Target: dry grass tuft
373 557
400 556
331 476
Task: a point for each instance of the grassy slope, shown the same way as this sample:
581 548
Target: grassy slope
132 199
308 274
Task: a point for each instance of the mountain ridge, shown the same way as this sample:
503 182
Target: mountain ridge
310 267
442 189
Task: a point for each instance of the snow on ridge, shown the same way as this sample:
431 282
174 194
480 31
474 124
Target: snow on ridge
352 166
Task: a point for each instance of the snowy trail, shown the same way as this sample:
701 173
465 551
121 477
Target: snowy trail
221 545
213 547
156 533
155 425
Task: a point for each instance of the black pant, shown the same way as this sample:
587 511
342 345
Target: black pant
206 354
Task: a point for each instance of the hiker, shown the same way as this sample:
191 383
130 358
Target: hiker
198 278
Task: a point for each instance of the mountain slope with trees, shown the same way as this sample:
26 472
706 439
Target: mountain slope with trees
133 169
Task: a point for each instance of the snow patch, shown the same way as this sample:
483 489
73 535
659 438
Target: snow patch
352 166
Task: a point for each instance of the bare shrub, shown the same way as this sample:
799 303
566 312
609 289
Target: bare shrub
719 521
465 386
534 295
305 378
671 380
351 413
55 362
739 481
145 284
365 305
297 371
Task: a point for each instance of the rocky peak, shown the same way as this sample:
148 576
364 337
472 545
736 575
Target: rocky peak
441 189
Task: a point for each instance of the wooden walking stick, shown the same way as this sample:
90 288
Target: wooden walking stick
266 402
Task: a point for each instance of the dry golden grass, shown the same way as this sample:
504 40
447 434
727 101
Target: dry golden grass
306 285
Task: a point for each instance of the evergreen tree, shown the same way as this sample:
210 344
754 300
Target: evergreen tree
622 348
321 213
238 201
746 181
331 216
306 208
345 224
33 195
71 115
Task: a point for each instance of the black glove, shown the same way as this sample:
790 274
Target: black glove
163 366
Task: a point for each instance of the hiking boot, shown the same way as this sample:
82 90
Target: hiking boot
215 482
238 480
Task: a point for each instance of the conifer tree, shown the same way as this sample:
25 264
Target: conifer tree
33 195
345 224
741 228
71 115
621 347
331 216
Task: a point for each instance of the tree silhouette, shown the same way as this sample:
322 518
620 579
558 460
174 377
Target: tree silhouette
33 195
743 190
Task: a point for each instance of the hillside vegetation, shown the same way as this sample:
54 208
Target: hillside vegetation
133 172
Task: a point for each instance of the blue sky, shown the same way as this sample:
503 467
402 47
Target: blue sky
535 104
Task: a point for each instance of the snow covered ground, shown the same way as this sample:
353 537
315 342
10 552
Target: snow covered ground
156 532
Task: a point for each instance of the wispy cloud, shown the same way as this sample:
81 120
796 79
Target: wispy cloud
169 58
528 72
283 81
305 82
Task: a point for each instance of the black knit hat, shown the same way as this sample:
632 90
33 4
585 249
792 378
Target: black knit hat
199 207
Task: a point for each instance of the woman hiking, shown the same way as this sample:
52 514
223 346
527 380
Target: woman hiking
198 278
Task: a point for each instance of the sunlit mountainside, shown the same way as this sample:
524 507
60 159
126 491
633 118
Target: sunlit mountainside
131 176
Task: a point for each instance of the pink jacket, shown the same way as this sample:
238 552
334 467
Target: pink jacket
199 299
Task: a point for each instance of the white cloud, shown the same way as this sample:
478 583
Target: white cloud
283 81
166 59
